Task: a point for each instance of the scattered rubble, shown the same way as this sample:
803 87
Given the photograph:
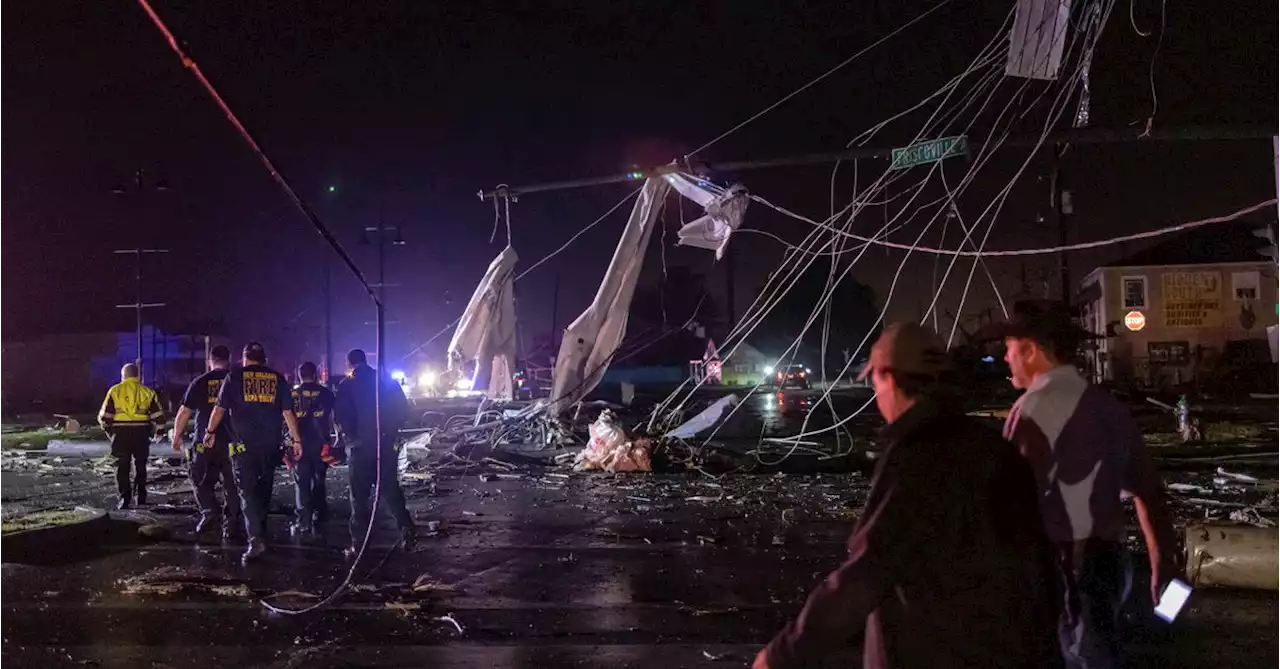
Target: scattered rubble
166 581
1233 555
44 519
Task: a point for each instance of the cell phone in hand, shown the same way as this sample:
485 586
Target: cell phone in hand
1172 600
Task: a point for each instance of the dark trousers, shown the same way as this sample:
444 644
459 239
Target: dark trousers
255 469
131 446
1097 583
267 483
209 465
308 475
363 463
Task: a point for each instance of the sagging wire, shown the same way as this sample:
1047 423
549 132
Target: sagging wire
324 232
1151 70
496 217
1047 250
1048 126
992 46
948 89
984 156
977 260
1133 22
506 200
821 77
883 181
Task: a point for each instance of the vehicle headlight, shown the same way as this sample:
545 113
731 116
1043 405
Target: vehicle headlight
427 379
463 384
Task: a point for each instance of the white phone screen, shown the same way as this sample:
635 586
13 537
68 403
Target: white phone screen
1172 600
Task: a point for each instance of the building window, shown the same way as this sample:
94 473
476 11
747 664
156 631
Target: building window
1135 292
1244 286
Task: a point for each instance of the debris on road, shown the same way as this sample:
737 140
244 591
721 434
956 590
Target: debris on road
1240 556
613 450
165 581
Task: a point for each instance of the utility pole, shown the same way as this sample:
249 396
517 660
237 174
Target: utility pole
328 321
139 190
1060 200
138 304
381 231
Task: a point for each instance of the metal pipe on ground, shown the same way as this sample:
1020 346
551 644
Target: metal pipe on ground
1233 556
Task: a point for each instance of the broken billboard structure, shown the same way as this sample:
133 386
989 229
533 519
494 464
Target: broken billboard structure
486 332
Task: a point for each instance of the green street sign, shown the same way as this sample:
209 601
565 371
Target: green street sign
931 151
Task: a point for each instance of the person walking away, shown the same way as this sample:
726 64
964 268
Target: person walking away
313 407
948 565
257 400
209 464
354 410
129 415
1086 451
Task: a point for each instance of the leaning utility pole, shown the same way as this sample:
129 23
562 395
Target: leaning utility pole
139 305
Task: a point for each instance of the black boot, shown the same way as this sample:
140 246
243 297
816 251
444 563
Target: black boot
409 538
255 550
123 503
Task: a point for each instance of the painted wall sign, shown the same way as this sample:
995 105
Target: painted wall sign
1191 299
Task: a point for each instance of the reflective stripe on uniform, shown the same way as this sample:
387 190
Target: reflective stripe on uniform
130 402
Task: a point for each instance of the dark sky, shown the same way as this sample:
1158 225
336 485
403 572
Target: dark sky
409 108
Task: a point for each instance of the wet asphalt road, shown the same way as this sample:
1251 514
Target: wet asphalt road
598 571
589 570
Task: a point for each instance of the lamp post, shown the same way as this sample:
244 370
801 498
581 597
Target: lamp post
381 230
138 189
139 305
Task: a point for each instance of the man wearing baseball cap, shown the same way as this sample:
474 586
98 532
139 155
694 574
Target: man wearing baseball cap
948 565
258 400
1086 451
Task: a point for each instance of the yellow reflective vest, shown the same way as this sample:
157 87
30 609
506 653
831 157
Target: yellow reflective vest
129 403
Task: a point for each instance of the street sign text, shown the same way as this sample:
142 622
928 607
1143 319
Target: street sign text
931 151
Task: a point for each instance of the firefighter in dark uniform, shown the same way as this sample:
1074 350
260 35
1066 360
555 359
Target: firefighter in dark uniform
129 416
354 408
257 399
209 464
313 407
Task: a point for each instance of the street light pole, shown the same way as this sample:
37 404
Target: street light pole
139 305
328 322
140 188
381 231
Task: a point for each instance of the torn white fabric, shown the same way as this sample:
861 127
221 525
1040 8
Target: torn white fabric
591 340
1037 38
703 421
725 210
487 331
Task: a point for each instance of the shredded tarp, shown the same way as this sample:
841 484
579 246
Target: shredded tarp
1037 39
487 331
724 212
703 421
592 339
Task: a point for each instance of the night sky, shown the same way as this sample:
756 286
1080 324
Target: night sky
407 109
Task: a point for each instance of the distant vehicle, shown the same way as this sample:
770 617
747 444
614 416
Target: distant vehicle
791 376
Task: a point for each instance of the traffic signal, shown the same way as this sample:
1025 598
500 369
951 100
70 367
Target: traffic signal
1268 233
